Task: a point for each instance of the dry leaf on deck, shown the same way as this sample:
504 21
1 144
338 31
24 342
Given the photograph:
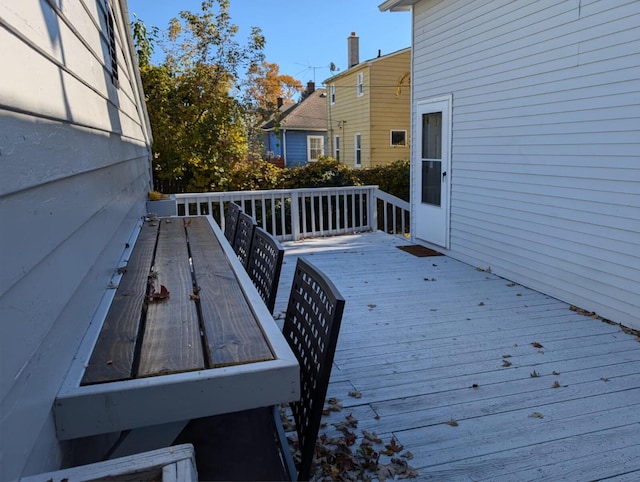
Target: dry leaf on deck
163 294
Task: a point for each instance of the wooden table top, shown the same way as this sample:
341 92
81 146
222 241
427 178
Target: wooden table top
146 334
210 346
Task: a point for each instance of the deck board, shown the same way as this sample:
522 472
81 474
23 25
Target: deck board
171 342
113 356
231 329
419 333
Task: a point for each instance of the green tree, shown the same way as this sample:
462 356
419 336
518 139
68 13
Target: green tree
198 123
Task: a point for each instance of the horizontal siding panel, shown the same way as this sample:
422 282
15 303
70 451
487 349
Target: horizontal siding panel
50 213
618 220
560 188
84 81
504 39
491 128
610 180
75 150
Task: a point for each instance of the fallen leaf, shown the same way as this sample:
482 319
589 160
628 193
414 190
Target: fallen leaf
372 437
372 306
163 294
506 356
506 363
355 394
451 422
481 303
556 384
122 270
534 374
604 379
555 373
536 415
392 448
535 344
475 385
187 223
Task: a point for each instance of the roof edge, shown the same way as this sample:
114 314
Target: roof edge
397 5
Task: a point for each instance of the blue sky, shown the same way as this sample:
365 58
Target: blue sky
303 37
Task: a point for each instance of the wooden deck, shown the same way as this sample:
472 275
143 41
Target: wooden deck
479 378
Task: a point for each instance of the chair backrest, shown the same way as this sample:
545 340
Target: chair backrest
264 265
244 236
231 222
311 327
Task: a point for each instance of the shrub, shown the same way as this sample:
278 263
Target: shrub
393 178
325 172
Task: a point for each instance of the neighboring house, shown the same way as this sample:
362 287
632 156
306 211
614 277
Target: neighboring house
369 109
297 134
526 117
74 148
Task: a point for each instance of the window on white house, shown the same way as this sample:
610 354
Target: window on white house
358 150
112 61
360 86
398 138
315 147
336 148
332 93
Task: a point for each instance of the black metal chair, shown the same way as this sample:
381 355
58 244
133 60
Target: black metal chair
231 222
244 236
264 265
251 445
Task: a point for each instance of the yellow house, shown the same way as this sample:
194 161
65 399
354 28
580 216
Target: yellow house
369 109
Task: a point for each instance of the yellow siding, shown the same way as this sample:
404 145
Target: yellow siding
390 108
373 114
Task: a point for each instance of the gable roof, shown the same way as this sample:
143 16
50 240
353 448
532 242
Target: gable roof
309 115
367 63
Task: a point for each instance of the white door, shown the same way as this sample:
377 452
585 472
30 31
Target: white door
432 155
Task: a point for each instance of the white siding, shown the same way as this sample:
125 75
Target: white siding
74 152
545 141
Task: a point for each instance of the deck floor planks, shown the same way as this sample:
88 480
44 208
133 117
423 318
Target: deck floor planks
171 342
414 356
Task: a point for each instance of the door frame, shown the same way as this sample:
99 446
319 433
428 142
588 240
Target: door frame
441 215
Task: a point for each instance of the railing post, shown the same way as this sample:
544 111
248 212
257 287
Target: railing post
295 215
373 209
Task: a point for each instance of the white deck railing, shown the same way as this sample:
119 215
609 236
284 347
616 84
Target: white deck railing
292 214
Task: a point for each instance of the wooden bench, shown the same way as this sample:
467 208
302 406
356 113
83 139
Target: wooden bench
170 464
185 335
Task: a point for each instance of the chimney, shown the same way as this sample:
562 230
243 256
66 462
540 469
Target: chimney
311 87
353 49
280 102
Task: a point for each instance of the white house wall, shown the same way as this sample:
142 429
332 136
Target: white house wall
545 141
74 152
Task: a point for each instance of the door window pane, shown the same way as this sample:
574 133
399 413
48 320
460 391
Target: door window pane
431 184
432 135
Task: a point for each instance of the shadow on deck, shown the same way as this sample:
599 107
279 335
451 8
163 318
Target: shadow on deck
476 377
